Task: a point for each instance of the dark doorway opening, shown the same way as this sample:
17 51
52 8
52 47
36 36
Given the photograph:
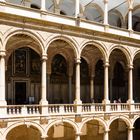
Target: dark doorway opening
20 92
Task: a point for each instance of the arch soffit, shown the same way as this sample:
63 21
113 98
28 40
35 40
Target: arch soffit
98 45
124 118
98 8
71 41
125 51
36 125
97 119
74 125
32 34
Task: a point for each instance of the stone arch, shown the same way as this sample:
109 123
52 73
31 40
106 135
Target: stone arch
97 7
124 50
124 118
31 34
71 41
135 53
98 45
14 125
135 119
97 119
117 12
73 124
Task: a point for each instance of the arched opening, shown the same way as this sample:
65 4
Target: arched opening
93 12
92 130
118 83
61 131
92 74
23 70
59 80
118 130
136 20
84 79
67 7
60 72
136 78
99 82
136 130
24 132
23 77
118 79
114 19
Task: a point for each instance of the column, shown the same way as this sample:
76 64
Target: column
77 137
130 19
106 91
43 5
2 79
43 80
57 6
77 82
92 88
106 12
77 8
130 133
106 135
70 89
48 85
130 85
110 85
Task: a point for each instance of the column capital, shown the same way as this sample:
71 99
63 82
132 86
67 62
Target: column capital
44 136
130 66
78 60
107 130
130 128
2 53
106 64
44 57
105 1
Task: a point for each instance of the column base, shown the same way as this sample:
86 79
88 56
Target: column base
3 103
77 102
42 102
129 101
106 101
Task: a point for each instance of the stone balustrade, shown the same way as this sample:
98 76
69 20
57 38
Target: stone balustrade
66 109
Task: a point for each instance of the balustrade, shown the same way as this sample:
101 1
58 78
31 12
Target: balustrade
67 109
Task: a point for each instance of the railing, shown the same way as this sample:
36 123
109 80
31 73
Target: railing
66 109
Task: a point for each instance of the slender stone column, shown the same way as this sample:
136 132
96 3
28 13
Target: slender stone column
130 19
48 85
130 85
77 82
77 8
2 78
130 133
43 5
106 12
43 80
106 85
70 89
77 137
106 135
92 88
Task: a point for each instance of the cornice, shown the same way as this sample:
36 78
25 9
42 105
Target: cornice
47 26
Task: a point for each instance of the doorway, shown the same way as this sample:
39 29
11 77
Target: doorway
20 93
